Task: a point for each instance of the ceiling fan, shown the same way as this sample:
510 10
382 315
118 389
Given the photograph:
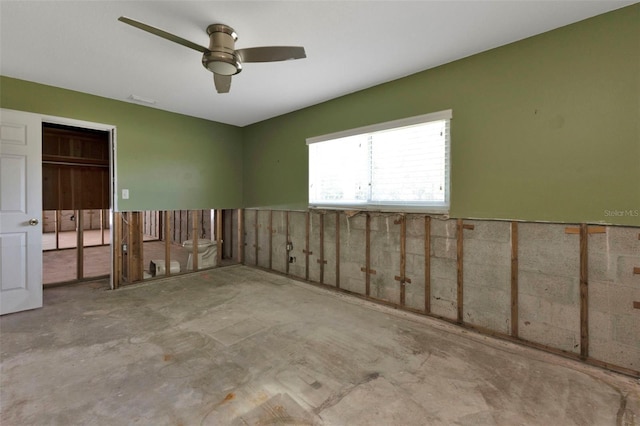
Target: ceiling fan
221 57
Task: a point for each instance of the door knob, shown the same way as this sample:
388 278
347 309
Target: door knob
33 222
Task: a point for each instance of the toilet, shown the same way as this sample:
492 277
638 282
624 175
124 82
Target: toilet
207 253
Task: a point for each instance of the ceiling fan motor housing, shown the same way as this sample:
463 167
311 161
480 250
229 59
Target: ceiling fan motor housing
221 57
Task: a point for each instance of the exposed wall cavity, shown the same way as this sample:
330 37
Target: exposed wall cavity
570 289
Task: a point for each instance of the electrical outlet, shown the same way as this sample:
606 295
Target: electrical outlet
289 246
292 259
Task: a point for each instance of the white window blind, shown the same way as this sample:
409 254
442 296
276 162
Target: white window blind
402 165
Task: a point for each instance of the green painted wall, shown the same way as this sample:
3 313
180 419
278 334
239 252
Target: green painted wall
167 161
544 129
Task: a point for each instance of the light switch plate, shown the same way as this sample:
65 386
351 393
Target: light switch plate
125 194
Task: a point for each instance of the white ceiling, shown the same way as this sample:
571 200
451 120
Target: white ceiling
350 45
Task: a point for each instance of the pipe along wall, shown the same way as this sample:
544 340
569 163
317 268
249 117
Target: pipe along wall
568 289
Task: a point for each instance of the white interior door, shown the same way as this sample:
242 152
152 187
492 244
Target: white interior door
20 211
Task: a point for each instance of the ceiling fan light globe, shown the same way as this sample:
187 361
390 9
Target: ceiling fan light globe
222 68
221 63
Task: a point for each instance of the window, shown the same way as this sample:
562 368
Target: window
399 165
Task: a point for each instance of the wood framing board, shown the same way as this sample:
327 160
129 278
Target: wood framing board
402 279
367 282
270 229
80 244
584 291
514 279
140 252
255 233
116 280
218 234
321 259
307 224
427 264
288 239
316 249
591 229
167 242
58 218
460 280
240 238
128 219
337 249
194 238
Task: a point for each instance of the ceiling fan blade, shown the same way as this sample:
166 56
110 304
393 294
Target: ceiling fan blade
222 82
163 34
271 53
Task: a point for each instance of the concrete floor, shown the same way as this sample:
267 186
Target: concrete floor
238 346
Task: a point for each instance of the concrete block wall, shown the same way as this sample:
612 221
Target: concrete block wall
352 253
384 258
264 228
314 246
297 237
487 274
549 285
415 262
614 323
250 237
280 257
444 270
547 305
330 249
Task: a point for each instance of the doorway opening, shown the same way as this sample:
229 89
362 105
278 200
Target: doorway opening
76 194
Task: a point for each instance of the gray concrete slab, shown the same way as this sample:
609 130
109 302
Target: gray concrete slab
238 346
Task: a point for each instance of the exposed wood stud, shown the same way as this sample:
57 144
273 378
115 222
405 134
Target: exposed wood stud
636 271
80 244
288 242
57 223
636 305
219 222
337 249
427 264
116 280
403 259
140 251
167 243
255 230
321 261
194 238
129 267
270 239
367 269
460 252
591 230
102 211
584 291
469 227
307 225
514 279
240 238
